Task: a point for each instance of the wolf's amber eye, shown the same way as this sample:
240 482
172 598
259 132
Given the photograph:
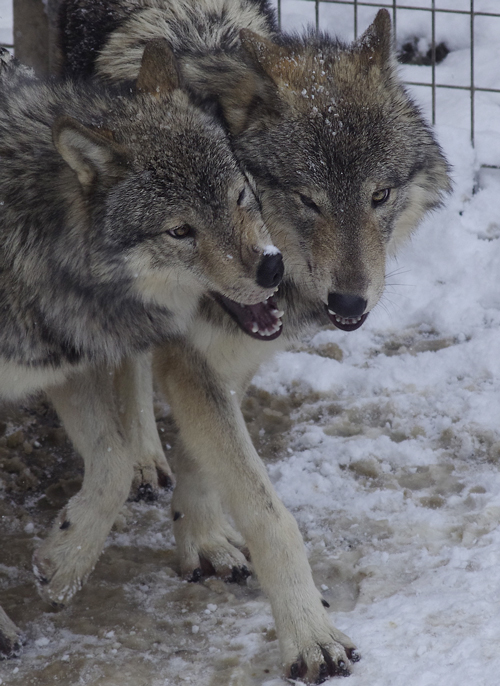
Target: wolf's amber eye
309 203
379 197
184 231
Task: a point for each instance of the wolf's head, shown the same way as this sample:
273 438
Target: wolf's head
176 210
344 163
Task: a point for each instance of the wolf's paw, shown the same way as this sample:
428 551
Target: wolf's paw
11 638
151 474
56 583
220 551
10 646
69 554
319 661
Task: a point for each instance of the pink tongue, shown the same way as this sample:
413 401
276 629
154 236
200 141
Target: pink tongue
261 315
257 320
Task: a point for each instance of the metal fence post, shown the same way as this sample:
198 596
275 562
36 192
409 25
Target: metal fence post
472 83
31 34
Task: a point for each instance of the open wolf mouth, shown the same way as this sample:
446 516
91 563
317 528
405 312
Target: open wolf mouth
261 321
347 323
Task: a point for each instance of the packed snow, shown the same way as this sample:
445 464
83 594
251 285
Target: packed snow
383 442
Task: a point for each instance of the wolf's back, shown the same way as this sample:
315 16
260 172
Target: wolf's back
108 38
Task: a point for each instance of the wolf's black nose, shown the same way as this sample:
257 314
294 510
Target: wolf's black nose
346 305
270 271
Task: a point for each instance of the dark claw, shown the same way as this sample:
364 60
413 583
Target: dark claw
327 668
298 670
353 655
196 575
147 493
239 574
65 525
207 568
341 669
202 572
57 606
8 648
334 668
177 515
164 481
325 602
323 673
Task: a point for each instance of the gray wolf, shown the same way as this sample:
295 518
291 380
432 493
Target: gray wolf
345 168
118 212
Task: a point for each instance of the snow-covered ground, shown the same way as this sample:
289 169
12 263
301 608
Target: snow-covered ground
384 443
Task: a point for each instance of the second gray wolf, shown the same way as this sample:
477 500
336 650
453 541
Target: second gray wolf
119 210
345 168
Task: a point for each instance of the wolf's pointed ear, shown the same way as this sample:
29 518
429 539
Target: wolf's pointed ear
376 42
262 51
251 95
244 94
88 153
159 74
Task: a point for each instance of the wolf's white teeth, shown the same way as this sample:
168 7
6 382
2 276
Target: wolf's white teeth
255 328
278 313
270 330
345 320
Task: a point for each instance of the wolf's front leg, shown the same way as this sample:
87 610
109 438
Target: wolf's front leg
88 407
214 435
134 385
206 543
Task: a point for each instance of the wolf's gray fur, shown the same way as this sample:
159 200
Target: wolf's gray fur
88 268
207 27
118 211
345 169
